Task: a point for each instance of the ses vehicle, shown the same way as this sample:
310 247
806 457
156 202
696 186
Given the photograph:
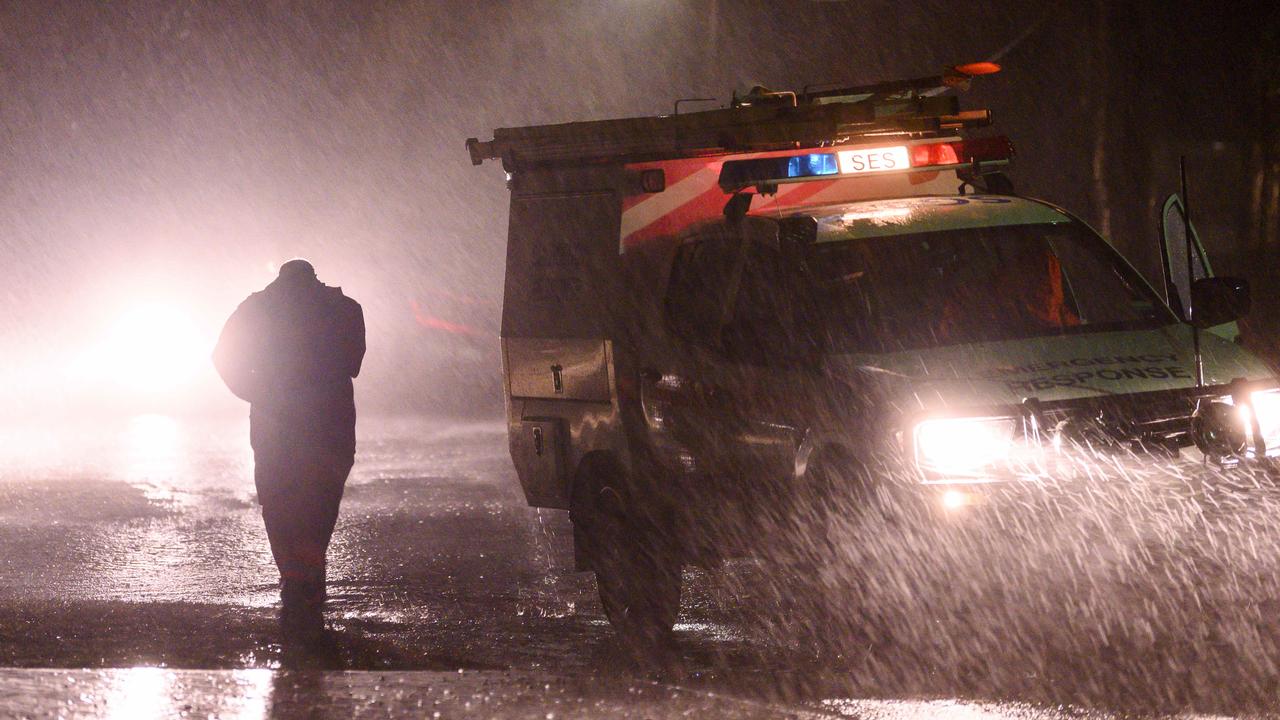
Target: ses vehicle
716 322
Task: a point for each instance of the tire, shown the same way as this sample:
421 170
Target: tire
640 594
637 573
840 514
840 507
837 486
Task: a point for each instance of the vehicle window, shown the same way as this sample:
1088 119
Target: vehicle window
758 330
695 296
973 285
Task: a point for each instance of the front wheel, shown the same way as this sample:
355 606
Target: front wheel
838 491
848 525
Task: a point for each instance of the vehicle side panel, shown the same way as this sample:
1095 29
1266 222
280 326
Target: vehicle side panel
560 303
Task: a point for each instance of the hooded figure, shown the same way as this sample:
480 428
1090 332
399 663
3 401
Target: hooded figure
291 351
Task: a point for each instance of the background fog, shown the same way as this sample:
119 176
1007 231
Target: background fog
162 155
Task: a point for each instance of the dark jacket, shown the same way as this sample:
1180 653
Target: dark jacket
291 350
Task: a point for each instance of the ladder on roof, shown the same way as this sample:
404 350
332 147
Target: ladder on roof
759 122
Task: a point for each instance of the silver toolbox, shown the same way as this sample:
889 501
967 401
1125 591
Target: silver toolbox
537 447
558 369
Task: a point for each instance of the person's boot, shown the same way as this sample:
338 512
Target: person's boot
303 592
302 611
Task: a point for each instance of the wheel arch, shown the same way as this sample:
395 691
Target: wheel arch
583 498
594 465
822 447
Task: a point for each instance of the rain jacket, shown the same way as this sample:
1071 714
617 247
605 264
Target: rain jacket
291 351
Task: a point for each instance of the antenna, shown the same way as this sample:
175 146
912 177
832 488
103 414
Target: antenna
1191 273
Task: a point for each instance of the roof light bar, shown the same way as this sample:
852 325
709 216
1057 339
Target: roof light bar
853 161
962 152
737 174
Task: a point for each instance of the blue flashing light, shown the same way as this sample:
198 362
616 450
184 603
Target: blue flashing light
812 165
738 174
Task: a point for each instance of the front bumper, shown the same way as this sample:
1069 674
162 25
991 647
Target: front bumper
1076 481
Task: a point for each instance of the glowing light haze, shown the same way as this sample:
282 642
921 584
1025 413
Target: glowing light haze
159 158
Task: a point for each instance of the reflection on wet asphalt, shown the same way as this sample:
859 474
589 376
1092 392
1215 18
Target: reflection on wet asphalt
142 552
283 695
155 548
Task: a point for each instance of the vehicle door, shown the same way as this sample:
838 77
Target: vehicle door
765 375
1185 264
684 404
733 400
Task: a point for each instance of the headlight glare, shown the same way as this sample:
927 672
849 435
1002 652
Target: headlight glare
963 447
1220 430
1266 406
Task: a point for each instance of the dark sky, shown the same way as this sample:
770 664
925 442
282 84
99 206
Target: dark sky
172 151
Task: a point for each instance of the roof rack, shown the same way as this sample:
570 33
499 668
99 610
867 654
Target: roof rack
761 121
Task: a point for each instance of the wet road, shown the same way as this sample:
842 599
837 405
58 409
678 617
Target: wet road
134 560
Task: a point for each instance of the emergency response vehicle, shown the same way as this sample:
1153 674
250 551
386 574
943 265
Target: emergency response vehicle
719 325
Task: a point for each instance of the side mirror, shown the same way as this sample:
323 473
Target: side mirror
795 234
1218 300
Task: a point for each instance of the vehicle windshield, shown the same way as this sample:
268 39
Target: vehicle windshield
905 292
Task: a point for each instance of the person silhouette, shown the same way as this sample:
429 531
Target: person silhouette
292 350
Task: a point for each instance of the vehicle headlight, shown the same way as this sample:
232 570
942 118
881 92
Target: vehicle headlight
1220 430
965 447
1266 406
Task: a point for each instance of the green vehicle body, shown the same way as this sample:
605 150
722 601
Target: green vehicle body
1049 368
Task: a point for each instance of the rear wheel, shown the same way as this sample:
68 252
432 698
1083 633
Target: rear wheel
637 570
639 588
